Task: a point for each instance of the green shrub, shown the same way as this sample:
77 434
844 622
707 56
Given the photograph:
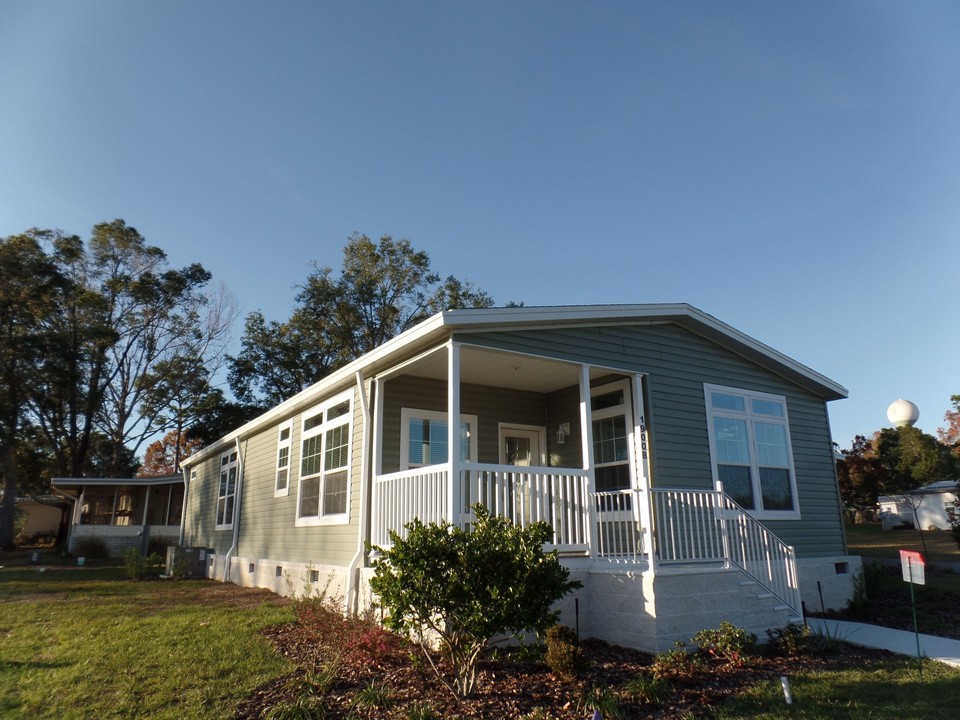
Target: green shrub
372 698
564 655
676 664
728 643
791 640
466 587
138 566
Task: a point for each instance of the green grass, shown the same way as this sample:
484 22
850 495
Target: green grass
869 540
888 689
80 643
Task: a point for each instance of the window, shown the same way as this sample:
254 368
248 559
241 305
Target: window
284 443
750 449
610 414
226 494
325 462
423 438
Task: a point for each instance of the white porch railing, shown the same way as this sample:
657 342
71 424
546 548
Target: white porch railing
402 496
525 495
694 527
619 535
528 495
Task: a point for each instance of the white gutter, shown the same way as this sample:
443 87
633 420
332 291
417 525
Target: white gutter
365 481
237 498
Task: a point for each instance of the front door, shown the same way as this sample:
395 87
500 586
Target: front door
523 446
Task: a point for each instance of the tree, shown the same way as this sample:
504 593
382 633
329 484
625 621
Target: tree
128 322
861 477
163 457
467 587
950 435
912 458
382 289
29 287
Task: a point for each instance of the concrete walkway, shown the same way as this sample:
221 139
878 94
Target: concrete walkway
903 642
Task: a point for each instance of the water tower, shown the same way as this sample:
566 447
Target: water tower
903 413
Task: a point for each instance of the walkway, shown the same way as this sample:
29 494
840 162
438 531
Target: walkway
899 641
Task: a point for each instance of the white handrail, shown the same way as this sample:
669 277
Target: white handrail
695 526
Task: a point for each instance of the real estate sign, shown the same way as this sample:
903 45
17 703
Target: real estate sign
912 565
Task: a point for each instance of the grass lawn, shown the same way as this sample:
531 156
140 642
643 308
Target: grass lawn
82 643
869 540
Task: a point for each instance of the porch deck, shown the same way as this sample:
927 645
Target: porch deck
658 529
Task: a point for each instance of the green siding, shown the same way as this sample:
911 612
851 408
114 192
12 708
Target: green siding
491 405
677 364
268 524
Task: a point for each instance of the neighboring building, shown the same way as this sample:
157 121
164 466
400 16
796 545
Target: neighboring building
936 506
123 512
616 424
40 520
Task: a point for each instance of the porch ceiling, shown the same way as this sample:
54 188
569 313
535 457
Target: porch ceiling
495 368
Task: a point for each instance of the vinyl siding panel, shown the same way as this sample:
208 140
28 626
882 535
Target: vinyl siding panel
677 363
491 405
268 524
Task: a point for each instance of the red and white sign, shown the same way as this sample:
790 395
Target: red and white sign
912 565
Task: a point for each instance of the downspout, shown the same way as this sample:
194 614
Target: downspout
183 508
237 500
351 603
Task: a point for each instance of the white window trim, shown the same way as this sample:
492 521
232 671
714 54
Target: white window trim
407 413
221 468
288 443
321 519
759 514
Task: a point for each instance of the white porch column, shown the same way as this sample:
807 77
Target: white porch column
453 432
586 435
642 464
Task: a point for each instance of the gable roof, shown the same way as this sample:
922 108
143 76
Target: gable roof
443 325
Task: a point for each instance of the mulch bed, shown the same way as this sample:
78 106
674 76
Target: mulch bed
511 688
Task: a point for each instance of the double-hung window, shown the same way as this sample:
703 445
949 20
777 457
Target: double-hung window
424 438
284 444
750 450
227 490
325 462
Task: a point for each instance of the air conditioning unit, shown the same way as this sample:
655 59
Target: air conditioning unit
186 562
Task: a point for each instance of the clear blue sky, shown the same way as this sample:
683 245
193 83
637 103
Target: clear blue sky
790 168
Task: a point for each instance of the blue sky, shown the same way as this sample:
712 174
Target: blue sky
791 168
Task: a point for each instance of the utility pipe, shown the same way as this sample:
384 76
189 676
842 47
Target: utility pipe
365 481
237 498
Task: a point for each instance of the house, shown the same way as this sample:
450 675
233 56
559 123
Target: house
932 507
38 519
686 469
123 512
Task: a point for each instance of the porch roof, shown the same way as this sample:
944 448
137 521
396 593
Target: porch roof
444 325
129 482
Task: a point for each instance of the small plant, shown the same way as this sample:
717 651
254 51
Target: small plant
138 566
421 711
652 690
727 643
791 640
304 707
602 700
564 655
537 714
375 696
676 664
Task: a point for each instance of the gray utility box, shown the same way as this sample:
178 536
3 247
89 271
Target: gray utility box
186 562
